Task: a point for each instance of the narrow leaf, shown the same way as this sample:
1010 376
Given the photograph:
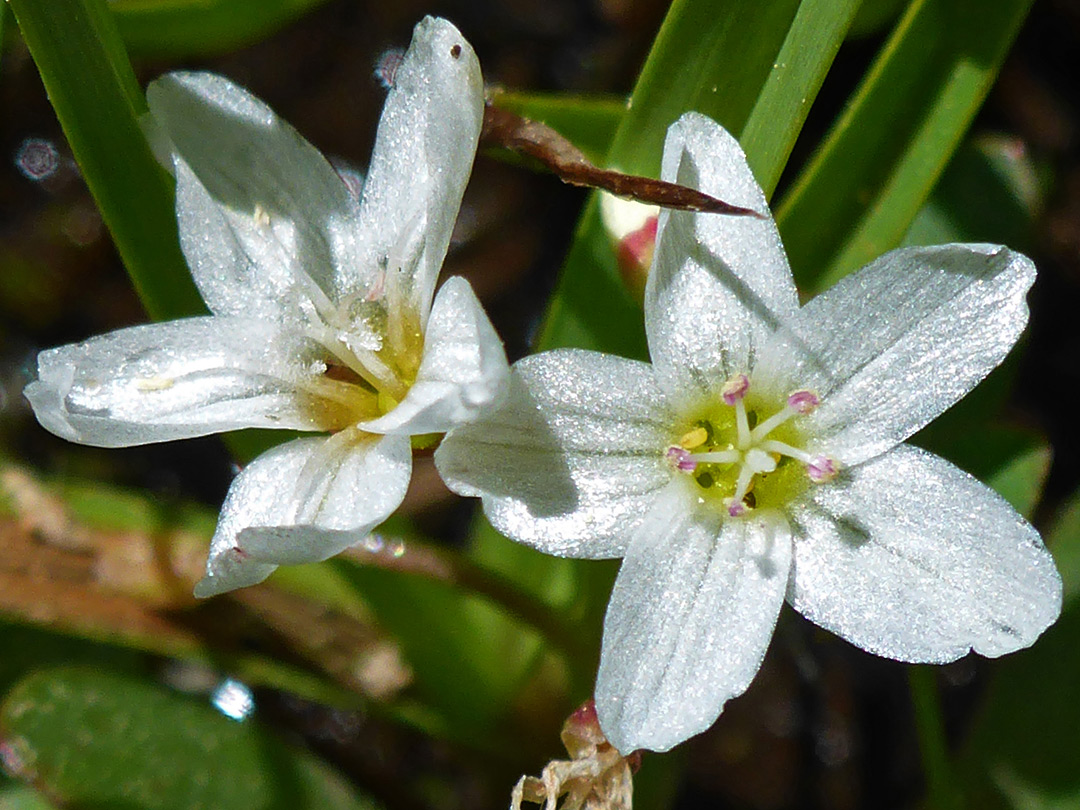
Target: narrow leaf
185 28
1022 750
755 67
859 194
92 88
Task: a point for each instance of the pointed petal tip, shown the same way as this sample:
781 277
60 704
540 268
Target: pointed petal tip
225 574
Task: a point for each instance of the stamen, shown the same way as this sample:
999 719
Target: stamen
694 438
717 457
364 362
681 459
736 508
822 469
770 424
743 437
742 486
735 389
784 449
803 401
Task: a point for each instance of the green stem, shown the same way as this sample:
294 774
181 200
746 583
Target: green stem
930 727
420 559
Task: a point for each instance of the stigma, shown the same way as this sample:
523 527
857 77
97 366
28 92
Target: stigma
736 450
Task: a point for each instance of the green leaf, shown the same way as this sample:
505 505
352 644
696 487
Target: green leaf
3 20
754 67
19 797
185 28
874 16
990 192
1022 751
792 84
467 656
92 88
30 648
1064 540
106 740
860 192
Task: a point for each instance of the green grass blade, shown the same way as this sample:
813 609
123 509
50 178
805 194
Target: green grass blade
1021 749
859 194
3 19
791 86
713 57
185 28
755 67
92 88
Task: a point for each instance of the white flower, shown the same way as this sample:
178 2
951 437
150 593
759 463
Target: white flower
322 312
760 457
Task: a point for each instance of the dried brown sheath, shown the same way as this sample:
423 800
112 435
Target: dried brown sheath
539 141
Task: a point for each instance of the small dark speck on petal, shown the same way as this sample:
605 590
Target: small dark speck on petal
455 51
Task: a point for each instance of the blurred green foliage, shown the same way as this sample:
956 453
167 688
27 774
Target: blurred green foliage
105 740
180 29
1023 752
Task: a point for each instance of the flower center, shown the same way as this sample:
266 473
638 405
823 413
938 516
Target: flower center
748 461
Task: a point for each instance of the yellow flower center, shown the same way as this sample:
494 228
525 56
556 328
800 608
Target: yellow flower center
746 453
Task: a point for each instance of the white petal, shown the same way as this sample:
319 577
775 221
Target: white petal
423 155
909 557
462 373
261 212
179 379
689 620
891 347
719 285
572 459
305 501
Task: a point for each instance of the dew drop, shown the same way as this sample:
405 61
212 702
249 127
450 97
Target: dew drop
37 159
233 699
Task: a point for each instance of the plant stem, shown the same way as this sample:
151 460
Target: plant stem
930 727
420 559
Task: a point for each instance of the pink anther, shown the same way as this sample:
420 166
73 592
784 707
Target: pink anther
735 389
822 469
681 459
803 401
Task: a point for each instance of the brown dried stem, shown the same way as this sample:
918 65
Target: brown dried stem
509 130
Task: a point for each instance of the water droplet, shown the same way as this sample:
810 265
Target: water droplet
372 543
37 159
233 699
